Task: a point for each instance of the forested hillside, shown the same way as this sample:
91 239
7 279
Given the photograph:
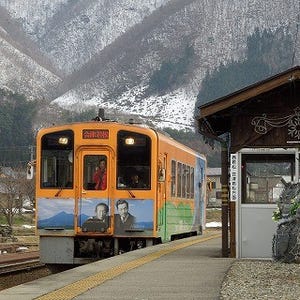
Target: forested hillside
18 117
16 122
147 58
156 60
267 53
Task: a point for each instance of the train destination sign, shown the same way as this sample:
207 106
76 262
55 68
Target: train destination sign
95 134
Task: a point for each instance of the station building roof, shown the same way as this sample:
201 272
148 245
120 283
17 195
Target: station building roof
216 116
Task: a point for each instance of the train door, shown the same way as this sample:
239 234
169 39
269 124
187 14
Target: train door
93 206
161 197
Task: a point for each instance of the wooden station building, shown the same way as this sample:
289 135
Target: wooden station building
259 131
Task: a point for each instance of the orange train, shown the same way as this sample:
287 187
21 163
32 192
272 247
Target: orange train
104 188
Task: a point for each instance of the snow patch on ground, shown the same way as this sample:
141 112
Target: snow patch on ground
213 224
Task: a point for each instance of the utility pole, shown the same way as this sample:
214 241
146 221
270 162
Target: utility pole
31 153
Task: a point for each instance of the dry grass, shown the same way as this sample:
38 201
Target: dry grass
213 215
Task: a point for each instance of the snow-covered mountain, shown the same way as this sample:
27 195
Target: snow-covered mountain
102 52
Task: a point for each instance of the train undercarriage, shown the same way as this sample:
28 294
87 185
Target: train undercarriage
98 248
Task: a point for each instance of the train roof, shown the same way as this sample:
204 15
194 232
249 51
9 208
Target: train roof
95 123
161 135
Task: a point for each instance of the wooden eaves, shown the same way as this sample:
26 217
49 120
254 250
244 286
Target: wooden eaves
220 109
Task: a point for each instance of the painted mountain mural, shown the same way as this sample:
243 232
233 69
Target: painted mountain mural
61 220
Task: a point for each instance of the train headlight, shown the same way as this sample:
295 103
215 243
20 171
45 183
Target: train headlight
129 141
63 140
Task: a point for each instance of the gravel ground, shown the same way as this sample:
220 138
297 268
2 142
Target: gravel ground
260 279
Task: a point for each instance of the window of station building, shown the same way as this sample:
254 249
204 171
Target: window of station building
57 160
263 176
133 160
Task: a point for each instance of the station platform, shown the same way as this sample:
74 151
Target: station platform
190 268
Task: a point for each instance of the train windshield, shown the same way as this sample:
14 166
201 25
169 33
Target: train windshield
133 160
57 160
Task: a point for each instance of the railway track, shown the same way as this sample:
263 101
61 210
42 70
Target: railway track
21 266
18 268
11 258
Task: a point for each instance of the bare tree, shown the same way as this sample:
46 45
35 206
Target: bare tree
14 189
27 188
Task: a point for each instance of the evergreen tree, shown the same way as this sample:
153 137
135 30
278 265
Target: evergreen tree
16 134
170 72
267 54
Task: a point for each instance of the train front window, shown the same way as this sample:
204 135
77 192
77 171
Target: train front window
95 172
57 160
133 160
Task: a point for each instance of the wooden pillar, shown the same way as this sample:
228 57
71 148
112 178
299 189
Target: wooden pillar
225 200
232 229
